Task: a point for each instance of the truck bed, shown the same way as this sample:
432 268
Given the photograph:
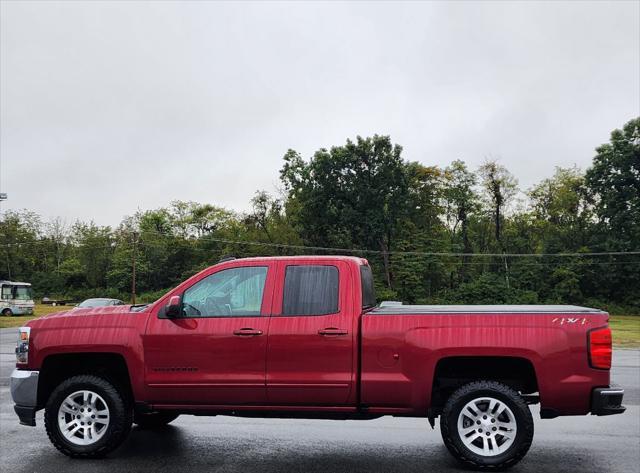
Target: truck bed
403 345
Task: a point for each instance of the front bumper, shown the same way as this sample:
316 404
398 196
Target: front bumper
24 392
607 401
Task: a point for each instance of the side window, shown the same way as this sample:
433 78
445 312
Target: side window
310 290
235 292
368 289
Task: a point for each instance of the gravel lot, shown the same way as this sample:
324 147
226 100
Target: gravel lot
227 444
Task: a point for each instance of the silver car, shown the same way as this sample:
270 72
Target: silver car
99 302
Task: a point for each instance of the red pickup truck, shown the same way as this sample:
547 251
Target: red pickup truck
303 337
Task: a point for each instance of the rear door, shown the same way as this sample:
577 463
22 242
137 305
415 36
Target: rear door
310 355
215 352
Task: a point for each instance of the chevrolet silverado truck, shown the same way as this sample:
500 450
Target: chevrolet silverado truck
302 337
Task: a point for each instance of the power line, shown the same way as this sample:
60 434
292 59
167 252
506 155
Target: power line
411 253
367 251
478 263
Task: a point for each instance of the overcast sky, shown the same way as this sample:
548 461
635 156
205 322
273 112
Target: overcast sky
111 107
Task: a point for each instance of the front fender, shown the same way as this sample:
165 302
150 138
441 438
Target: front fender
119 334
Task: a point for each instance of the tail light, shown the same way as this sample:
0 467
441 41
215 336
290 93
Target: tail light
600 348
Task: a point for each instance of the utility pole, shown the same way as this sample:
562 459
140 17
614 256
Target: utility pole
3 197
133 267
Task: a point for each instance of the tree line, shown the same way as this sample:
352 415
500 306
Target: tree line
439 235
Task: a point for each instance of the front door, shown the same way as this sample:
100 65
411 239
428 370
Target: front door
214 353
310 358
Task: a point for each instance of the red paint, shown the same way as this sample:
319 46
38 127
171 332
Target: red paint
325 364
307 367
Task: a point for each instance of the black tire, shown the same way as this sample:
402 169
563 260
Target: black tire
452 438
7 313
154 420
120 416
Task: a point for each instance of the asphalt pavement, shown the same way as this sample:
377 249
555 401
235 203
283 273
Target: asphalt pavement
226 444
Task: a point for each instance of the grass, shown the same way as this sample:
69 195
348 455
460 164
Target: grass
625 328
39 311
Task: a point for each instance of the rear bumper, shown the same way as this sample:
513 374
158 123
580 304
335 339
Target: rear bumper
607 401
24 392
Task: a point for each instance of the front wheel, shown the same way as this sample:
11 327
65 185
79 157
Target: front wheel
7 313
487 425
87 417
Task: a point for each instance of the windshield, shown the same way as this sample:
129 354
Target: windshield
22 293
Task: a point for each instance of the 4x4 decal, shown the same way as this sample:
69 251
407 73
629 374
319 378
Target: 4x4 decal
570 320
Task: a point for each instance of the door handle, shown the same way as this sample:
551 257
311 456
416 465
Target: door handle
247 332
332 331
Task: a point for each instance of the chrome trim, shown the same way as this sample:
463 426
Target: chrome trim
24 387
394 308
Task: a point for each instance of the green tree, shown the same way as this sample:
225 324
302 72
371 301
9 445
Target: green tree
561 210
192 219
613 184
20 234
364 195
94 249
500 187
267 221
461 203
350 196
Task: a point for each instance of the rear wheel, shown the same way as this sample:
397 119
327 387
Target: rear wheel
487 425
7 313
154 420
87 417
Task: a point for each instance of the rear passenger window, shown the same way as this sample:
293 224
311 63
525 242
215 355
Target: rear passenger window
310 290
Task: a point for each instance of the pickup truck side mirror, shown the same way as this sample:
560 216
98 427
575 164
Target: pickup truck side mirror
174 308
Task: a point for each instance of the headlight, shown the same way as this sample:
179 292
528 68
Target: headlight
22 347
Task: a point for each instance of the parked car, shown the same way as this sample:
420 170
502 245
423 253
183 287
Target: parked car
99 302
302 337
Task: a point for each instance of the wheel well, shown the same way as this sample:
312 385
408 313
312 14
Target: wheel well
57 368
453 372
